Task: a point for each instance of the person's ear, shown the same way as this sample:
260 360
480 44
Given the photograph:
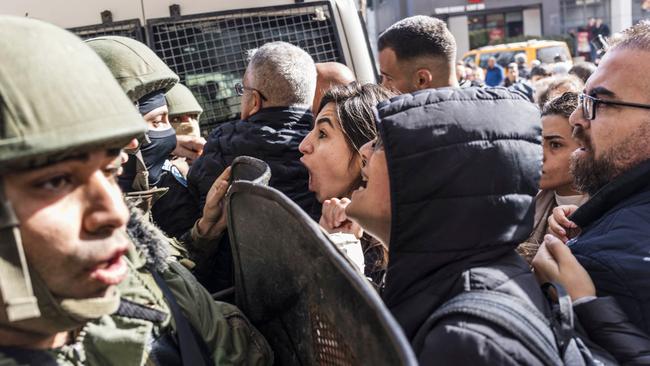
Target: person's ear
423 79
257 102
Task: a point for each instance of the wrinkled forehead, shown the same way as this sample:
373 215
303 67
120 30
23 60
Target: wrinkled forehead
624 72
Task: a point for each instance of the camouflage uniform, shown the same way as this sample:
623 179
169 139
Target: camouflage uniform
69 103
140 72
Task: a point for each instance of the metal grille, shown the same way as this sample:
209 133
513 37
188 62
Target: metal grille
329 346
126 28
209 51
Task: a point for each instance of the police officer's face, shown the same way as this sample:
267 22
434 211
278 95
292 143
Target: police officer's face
334 170
158 119
72 222
370 206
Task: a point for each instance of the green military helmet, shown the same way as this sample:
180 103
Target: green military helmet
135 66
57 99
181 101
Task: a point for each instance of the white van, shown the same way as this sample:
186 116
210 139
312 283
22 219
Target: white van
205 41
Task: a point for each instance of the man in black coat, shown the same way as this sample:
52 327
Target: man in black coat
613 167
277 91
449 188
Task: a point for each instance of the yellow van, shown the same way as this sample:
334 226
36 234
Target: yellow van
544 51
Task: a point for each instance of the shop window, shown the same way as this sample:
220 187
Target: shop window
514 24
494 28
576 13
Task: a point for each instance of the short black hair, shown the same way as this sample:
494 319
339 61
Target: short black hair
563 105
354 106
542 70
583 70
418 36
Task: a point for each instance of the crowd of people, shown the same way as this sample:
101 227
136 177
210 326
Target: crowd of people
443 187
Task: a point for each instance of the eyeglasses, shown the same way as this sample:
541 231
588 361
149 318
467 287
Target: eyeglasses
589 105
239 89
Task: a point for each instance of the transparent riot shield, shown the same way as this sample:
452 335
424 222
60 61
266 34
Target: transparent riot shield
299 290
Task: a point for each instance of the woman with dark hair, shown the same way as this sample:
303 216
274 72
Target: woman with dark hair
556 184
345 122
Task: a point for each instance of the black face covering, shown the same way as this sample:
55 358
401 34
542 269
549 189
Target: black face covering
154 154
157 151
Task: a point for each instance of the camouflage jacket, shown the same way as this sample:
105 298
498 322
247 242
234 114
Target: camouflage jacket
129 340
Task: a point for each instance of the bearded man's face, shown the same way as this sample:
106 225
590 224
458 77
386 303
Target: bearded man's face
618 138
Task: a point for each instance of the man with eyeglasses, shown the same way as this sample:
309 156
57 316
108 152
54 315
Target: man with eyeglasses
612 123
276 92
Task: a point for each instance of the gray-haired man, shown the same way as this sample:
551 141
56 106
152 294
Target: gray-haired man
276 91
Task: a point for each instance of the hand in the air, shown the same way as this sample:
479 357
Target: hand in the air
334 220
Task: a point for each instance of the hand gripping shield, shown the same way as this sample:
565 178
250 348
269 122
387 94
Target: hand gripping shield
300 291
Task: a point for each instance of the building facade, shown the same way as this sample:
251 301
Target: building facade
476 23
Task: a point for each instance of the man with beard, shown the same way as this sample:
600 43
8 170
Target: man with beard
612 122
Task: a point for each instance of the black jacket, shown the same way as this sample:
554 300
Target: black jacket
272 135
614 246
464 166
608 326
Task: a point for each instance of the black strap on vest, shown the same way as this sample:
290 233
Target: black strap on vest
130 309
194 351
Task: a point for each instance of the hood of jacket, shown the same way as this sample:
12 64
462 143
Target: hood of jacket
464 166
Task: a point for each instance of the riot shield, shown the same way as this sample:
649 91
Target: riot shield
216 272
250 169
299 290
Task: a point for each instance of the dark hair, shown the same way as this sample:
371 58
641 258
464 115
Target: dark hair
548 91
583 70
354 107
542 70
563 105
636 36
418 36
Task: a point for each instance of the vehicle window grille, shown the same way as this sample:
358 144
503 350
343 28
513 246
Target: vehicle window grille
209 51
126 28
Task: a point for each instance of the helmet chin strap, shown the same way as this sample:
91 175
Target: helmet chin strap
16 291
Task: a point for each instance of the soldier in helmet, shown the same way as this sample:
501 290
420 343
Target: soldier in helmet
150 179
75 286
184 110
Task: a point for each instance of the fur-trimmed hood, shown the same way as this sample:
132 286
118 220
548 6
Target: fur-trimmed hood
148 239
